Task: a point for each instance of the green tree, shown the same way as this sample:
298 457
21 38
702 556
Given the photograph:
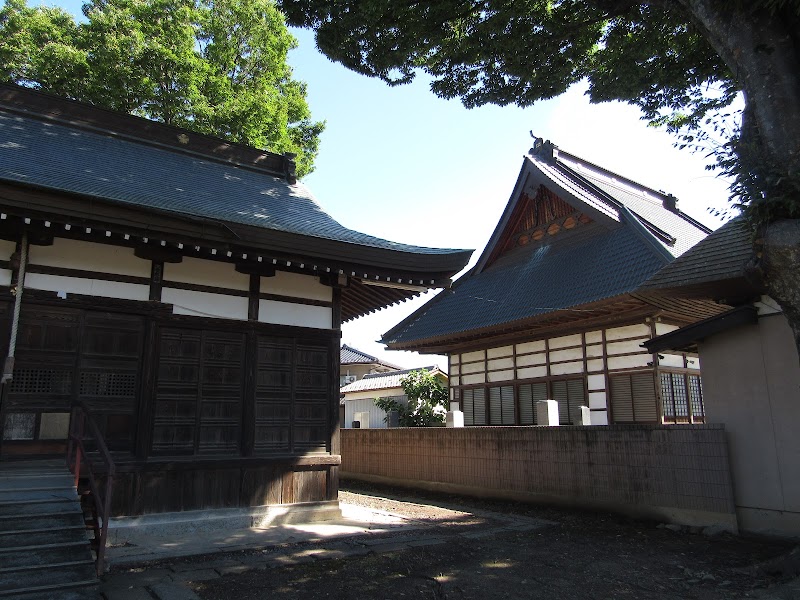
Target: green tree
212 66
681 61
426 400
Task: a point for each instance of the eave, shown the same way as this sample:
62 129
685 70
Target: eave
686 338
47 214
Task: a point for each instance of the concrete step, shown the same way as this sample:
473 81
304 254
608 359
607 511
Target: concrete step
90 591
57 506
40 522
54 577
36 482
37 494
46 555
31 538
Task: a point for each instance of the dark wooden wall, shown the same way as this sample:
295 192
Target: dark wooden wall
199 412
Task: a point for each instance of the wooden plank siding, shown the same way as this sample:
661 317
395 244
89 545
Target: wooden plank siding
606 370
199 411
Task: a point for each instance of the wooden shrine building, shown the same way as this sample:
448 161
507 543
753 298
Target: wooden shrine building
190 292
550 310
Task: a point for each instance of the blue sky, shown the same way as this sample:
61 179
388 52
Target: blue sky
401 164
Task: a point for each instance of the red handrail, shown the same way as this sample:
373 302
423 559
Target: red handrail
78 457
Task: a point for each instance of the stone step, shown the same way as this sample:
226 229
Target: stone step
40 522
34 481
32 538
37 495
46 555
57 506
89 591
53 578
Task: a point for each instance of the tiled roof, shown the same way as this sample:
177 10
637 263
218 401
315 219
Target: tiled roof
383 381
633 235
101 165
722 255
593 264
352 356
645 203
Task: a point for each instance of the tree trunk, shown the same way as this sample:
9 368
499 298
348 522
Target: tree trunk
761 47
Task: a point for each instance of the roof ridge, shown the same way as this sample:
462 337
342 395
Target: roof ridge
616 177
43 106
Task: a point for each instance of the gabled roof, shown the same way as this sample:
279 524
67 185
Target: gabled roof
97 166
384 381
572 235
352 356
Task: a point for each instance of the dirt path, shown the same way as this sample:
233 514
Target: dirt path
475 549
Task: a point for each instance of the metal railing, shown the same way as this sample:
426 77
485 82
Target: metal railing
88 456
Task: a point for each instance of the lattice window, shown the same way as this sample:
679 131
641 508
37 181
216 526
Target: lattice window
681 398
108 385
42 381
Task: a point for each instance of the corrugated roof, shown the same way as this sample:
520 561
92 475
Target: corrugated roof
382 381
632 237
68 159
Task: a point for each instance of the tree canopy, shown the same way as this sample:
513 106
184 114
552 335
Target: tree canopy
683 62
216 67
426 401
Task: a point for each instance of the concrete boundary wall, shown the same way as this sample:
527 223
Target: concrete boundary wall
678 474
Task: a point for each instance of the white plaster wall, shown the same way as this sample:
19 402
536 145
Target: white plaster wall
203 304
564 341
6 250
751 383
296 286
569 354
599 417
89 256
629 362
531 359
501 376
597 400
207 272
670 360
471 379
662 328
87 287
501 351
566 368
593 337
299 315
531 372
470 356
629 331
501 363
478 367
527 347
627 347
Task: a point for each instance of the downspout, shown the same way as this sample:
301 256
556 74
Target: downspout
8 367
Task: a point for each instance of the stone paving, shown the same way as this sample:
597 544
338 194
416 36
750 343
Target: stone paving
369 531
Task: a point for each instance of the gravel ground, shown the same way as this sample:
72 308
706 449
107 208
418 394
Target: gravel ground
487 549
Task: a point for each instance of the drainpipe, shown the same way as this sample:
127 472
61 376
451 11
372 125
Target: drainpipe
8 367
